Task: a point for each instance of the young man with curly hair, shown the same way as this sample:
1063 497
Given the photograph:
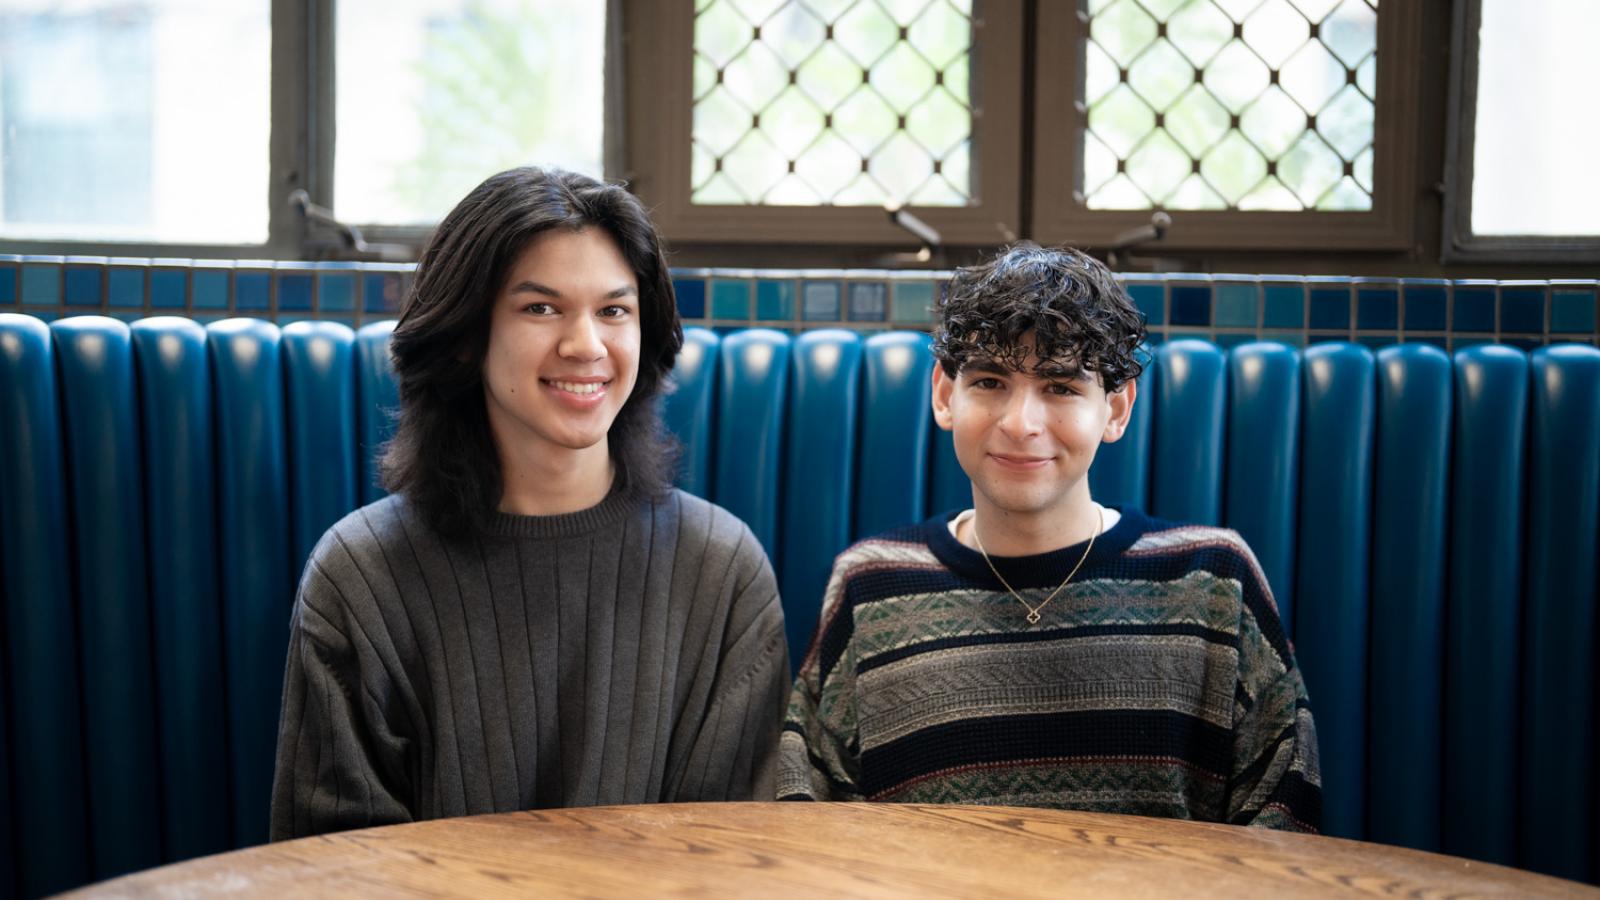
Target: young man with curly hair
1040 649
535 617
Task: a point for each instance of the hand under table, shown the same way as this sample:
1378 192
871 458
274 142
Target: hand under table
853 849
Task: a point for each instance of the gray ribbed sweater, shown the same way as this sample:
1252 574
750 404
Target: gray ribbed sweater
628 653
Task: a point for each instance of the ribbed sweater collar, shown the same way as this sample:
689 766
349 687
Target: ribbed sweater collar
1042 570
605 514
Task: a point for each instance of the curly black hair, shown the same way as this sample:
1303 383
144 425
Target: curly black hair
1078 315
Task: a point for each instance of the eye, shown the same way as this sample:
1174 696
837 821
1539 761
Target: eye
539 309
615 311
1061 389
987 384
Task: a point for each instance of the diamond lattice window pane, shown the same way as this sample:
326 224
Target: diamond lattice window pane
1310 168
794 33
1233 167
1198 31
1159 166
1273 122
1271 195
1346 122
1312 77
833 102
1275 31
1160 75
1351 31
1238 104
1123 31
1121 119
1346 195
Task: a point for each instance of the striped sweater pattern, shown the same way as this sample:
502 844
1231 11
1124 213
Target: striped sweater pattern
1159 682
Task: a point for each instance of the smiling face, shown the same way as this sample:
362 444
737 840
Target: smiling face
563 349
1026 439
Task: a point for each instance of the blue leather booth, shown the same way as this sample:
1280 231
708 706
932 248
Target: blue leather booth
1428 524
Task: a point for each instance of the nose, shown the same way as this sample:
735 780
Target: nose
581 340
1023 416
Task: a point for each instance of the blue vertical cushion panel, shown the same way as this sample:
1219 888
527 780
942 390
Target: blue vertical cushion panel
320 395
99 409
1192 383
751 390
1331 588
180 509
1120 474
896 417
1409 535
1482 620
8 867
687 409
40 617
948 485
819 473
1558 676
257 570
1263 443
378 402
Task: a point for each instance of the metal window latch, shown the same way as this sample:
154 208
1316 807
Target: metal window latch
1137 236
347 237
932 241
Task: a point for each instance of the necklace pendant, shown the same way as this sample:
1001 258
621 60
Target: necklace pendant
1033 617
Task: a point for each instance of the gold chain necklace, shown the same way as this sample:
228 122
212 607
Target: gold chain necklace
1033 611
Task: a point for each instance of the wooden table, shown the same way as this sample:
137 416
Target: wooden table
810 849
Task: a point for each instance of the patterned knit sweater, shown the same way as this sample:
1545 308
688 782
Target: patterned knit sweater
1158 683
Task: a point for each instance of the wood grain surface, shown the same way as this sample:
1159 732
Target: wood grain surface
827 849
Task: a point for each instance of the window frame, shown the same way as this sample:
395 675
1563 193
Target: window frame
1061 216
300 153
660 52
1458 243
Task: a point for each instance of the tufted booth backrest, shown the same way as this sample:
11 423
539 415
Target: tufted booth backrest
1428 524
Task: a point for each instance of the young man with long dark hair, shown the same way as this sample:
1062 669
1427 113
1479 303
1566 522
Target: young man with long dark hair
534 617
1040 649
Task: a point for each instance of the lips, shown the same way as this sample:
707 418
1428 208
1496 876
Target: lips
578 387
1020 461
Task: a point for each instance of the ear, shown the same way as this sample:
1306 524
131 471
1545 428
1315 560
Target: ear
943 386
1121 403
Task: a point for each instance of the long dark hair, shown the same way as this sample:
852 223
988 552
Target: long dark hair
443 455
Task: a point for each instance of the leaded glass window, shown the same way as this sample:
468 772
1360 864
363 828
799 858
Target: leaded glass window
1229 104
833 102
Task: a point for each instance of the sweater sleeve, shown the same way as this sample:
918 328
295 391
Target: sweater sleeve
1275 781
819 748
339 765
733 755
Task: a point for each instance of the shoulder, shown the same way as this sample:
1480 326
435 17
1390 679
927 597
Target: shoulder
375 526
1221 551
894 562
709 535
358 545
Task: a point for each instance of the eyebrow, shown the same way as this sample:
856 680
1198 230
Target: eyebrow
1052 372
534 287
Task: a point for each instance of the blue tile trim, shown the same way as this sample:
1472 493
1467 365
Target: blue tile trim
869 301
1522 307
691 297
1226 308
84 286
774 299
819 301
1426 303
1283 302
1472 306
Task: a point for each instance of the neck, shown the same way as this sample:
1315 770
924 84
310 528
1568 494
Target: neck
1009 533
543 483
